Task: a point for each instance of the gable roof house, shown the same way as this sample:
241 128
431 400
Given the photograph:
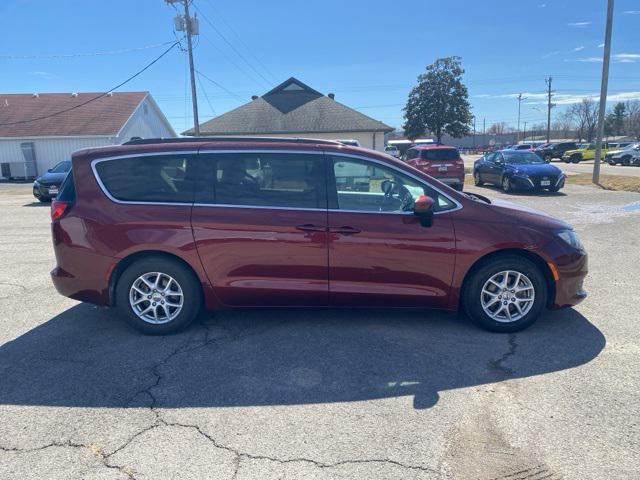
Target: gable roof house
29 147
295 109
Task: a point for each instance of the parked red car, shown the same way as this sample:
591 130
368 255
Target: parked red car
160 228
439 161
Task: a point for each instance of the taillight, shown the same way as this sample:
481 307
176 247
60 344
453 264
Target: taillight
58 209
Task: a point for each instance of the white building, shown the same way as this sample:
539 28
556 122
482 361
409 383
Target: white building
39 130
293 109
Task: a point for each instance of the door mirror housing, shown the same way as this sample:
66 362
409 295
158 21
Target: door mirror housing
423 209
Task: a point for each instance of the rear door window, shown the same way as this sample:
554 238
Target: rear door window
152 178
280 180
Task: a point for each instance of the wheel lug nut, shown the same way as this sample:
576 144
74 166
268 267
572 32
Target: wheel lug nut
513 299
513 291
148 296
504 303
153 304
162 302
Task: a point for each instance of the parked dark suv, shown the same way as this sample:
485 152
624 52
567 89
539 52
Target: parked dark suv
555 150
161 228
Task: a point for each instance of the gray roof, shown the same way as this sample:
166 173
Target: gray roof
291 107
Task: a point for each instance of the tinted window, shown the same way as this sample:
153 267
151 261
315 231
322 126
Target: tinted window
361 186
265 180
161 178
440 154
67 191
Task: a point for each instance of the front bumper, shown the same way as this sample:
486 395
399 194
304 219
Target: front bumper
533 183
43 191
572 271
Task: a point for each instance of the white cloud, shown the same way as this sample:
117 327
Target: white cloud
632 12
543 5
578 24
551 54
577 49
601 45
567 98
586 59
630 56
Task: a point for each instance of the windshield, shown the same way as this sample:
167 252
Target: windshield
522 158
62 167
440 154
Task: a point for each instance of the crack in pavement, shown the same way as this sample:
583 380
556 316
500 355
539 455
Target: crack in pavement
96 451
497 365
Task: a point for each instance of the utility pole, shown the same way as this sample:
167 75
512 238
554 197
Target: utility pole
190 26
603 92
525 131
474 132
549 105
520 98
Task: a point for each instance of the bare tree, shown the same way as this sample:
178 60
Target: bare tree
498 128
632 120
585 117
564 125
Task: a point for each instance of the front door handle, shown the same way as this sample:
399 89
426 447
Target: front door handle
309 227
344 230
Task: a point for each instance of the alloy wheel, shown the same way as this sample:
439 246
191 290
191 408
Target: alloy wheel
156 298
507 296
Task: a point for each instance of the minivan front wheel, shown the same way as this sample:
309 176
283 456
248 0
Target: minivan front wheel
158 296
506 294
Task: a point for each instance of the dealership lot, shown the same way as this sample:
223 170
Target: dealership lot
322 394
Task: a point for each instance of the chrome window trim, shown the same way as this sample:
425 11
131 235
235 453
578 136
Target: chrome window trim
458 205
137 155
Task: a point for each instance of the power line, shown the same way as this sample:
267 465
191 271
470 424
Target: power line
242 57
94 98
219 15
91 54
206 96
220 86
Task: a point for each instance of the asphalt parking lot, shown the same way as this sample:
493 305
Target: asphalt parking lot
312 394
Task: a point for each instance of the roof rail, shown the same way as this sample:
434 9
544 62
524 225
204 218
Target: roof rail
151 141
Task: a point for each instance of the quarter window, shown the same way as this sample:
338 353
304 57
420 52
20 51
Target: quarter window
284 180
370 187
157 178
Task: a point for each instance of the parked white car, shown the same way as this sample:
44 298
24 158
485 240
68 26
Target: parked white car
392 150
627 156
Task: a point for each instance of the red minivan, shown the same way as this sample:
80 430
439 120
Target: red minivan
439 161
161 228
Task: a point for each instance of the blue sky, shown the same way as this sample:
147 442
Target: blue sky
368 53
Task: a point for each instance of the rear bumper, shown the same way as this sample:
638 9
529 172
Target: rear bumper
80 273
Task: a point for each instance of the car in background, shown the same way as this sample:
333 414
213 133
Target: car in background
439 161
392 150
550 151
521 146
627 156
160 229
585 151
46 186
517 170
622 156
349 141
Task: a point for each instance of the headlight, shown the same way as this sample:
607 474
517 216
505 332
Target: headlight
571 237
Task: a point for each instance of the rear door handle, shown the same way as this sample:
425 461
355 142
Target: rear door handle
344 230
309 227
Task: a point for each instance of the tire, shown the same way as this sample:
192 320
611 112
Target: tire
476 179
506 184
42 199
576 158
475 301
183 280
626 161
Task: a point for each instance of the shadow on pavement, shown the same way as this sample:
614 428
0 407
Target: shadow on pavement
86 357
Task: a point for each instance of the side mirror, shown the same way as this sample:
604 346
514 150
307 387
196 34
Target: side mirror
423 209
49 170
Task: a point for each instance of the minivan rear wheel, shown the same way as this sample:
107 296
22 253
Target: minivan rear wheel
158 296
505 294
